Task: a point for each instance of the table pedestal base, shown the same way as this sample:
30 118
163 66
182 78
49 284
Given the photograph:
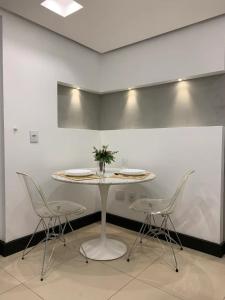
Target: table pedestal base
106 249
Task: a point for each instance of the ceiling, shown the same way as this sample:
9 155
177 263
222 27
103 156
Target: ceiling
105 25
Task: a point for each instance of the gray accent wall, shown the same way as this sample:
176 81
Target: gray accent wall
78 109
196 102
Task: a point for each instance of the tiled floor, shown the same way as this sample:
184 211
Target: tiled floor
148 276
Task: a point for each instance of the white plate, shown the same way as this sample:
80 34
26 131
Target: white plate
78 172
132 172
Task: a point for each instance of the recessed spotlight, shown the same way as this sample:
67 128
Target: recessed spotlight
78 88
63 8
180 79
129 89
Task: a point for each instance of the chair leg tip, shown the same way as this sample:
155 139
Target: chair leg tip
22 258
86 261
41 279
128 259
181 248
176 270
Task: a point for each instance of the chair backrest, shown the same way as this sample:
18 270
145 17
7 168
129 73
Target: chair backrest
36 195
179 191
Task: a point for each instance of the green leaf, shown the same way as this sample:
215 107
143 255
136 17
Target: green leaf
104 155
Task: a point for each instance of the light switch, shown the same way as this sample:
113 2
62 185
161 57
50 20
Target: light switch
34 136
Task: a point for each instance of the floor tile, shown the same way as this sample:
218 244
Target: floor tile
76 280
30 267
138 262
82 233
138 290
24 270
19 293
201 276
198 278
114 229
7 281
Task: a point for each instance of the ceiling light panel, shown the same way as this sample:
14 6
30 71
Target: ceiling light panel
63 8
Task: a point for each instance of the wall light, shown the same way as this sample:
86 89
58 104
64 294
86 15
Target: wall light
180 79
131 99
183 98
130 113
76 99
63 8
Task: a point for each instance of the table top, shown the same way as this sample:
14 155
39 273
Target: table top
106 180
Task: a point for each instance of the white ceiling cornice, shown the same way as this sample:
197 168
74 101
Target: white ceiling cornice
108 25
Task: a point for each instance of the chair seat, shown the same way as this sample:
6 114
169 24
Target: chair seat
147 205
61 208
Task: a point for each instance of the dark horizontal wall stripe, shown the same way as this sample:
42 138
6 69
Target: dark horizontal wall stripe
188 241
19 244
196 102
78 109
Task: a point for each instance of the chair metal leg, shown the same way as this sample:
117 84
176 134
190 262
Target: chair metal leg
174 229
142 234
155 233
61 231
50 235
68 222
150 232
169 241
158 231
139 235
28 244
45 251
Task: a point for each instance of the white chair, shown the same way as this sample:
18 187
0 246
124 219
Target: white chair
163 208
50 214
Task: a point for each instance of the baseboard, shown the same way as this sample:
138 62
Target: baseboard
223 248
186 240
20 243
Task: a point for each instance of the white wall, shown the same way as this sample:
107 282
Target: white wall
2 184
34 59
192 51
169 153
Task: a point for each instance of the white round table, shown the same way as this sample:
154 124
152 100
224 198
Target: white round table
104 248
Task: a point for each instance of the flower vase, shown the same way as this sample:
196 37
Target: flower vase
102 168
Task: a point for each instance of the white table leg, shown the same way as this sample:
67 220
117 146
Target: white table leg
104 191
103 248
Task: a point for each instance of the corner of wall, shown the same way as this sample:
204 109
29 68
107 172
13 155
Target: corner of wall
2 164
222 188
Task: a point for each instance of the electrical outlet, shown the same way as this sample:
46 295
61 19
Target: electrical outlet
34 137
